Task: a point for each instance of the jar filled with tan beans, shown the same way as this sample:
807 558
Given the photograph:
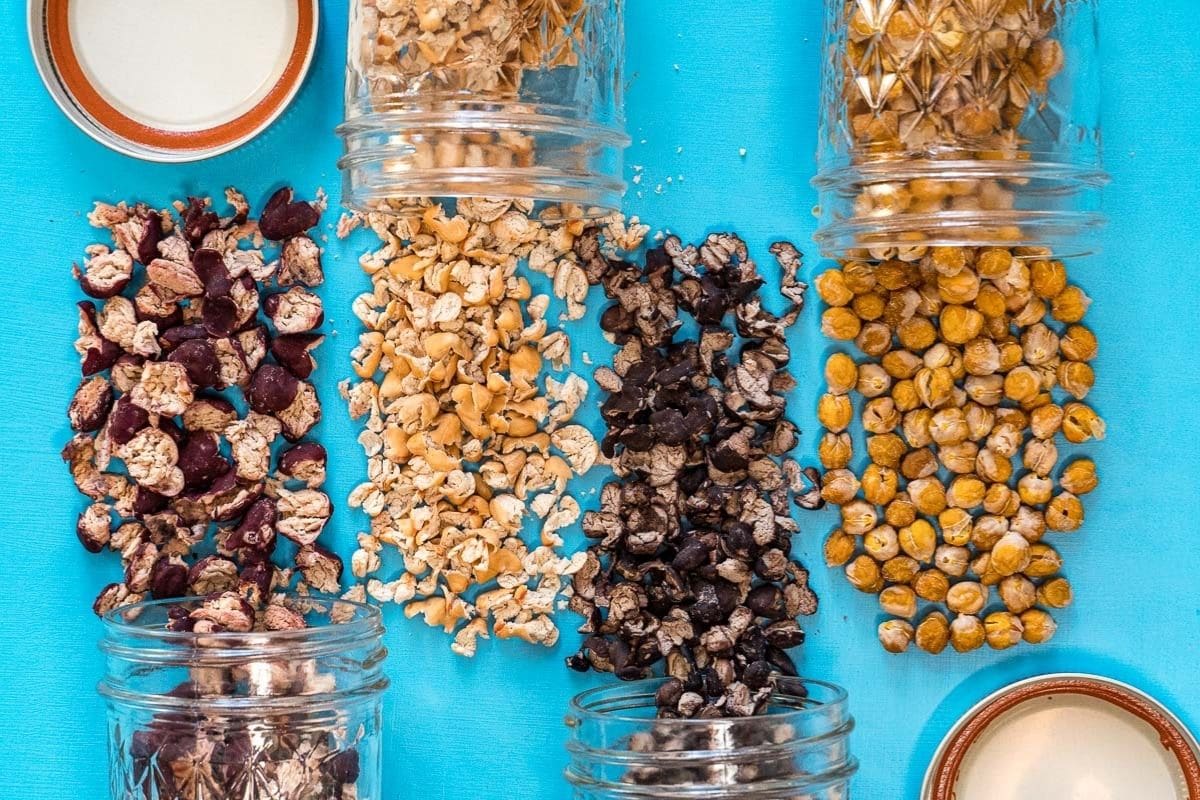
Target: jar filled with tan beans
516 99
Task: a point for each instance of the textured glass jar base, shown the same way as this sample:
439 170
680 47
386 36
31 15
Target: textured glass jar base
899 209
799 749
473 149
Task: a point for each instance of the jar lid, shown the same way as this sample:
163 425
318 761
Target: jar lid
172 80
1066 735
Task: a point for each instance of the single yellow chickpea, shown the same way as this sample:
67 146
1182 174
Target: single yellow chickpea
1022 384
874 339
863 574
1039 626
1010 555
839 486
956 524
933 634
1056 593
1064 513
831 286
840 323
1080 423
869 306
1044 561
879 484
1080 477
900 569
839 548
967 633
880 415
1017 593
994 263
1048 278
901 364
961 459
917 333
858 517
928 495
1070 305
895 635
873 380
1001 501
835 450
918 540
990 302
899 601
859 277
993 467
960 324
962 288
841 373
1076 378
886 449
935 386
967 597
835 412
1003 630
901 511
915 427
931 585
1078 344
966 491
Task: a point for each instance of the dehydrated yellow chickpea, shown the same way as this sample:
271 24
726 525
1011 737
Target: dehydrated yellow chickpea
918 540
1046 421
993 467
858 517
1011 354
1080 477
916 333
899 601
1030 313
1056 593
841 373
873 380
1039 626
835 412
901 364
1076 378
1039 344
986 390
990 302
1035 489
1022 384
1078 344
1048 278
891 276
1030 523
900 511
961 458
905 396
1081 423
859 277
869 306
934 386
960 324
967 597
879 484
882 543
900 569
956 526
1065 513
981 357
1044 561
994 263
967 633
874 339
949 426
1001 501
835 450
987 530
961 288
880 415
933 634
966 491
920 463
915 427
952 560
931 585
1003 630
831 286
928 495
1017 593
840 323
1010 555
948 260
839 548
839 486
1004 440
863 574
895 635
901 306
980 421
886 449
1040 456
1070 305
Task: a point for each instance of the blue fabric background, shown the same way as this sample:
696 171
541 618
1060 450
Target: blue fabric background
706 78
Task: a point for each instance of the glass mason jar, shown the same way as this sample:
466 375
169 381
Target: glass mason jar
959 123
798 750
270 715
519 99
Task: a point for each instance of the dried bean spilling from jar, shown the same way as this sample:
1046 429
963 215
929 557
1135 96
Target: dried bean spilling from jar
690 566
465 428
976 361
178 323
223 755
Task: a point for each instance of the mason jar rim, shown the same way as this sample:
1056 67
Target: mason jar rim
122 621
580 703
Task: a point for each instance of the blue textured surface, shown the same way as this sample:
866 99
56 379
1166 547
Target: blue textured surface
705 81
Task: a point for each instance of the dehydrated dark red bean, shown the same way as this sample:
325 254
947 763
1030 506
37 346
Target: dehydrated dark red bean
98 353
125 420
272 389
321 568
300 262
219 316
254 343
201 461
168 578
210 266
171 338
199 358
212 574
105 275
257 530
294 351
282 217
90 405
198 220
343 767
295 311
152 234
306 462
147 502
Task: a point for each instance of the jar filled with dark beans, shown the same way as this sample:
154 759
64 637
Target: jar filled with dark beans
798 748
211 699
